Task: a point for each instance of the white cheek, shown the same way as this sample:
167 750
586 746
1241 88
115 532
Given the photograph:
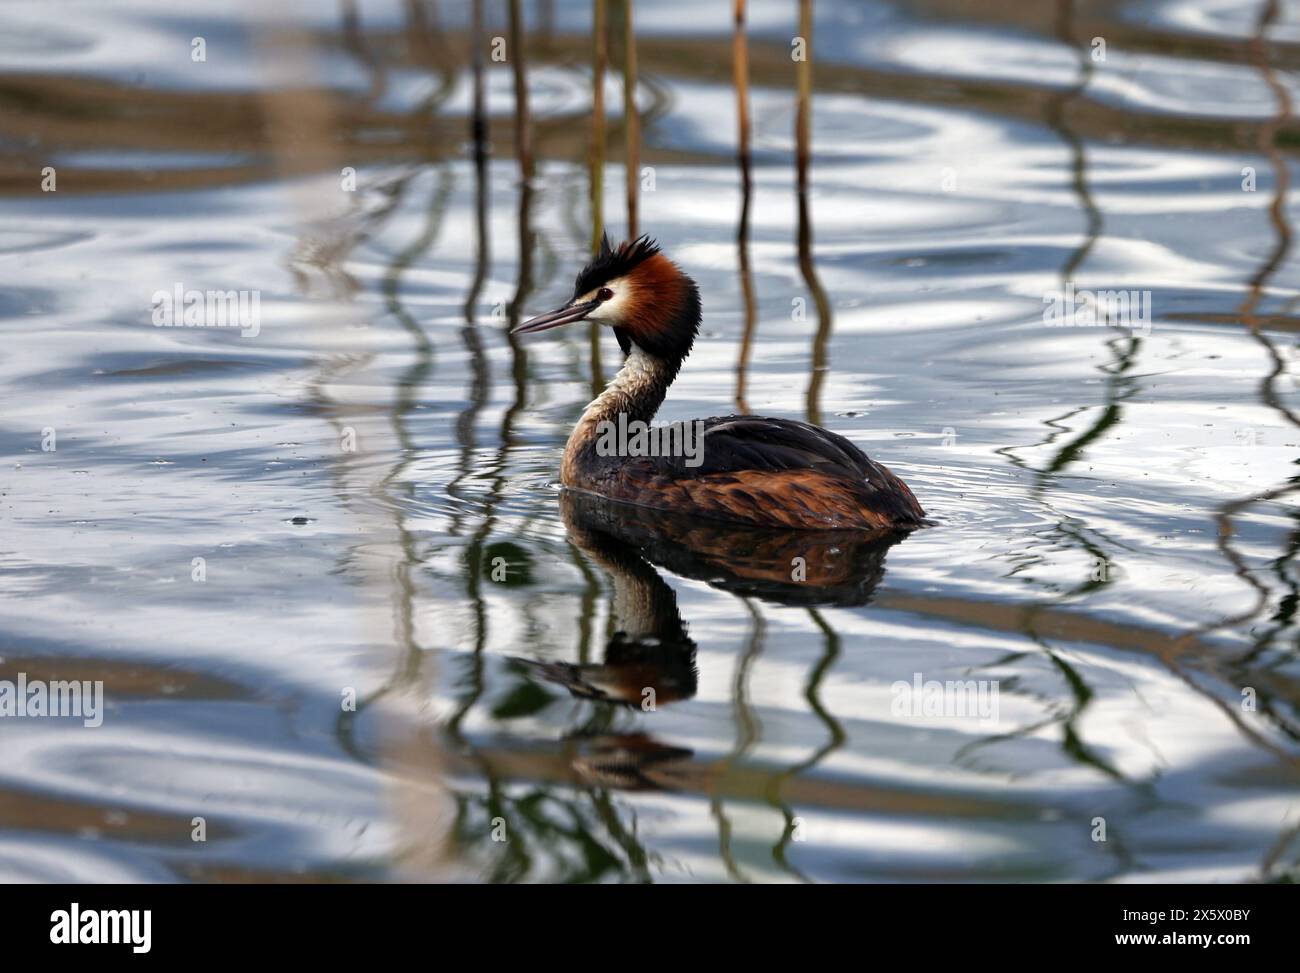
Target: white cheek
611 311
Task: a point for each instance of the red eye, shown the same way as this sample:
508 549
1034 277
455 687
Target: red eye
604 294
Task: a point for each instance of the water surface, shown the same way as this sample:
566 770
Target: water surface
1116 508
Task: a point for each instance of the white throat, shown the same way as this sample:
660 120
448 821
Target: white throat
638 389
639 370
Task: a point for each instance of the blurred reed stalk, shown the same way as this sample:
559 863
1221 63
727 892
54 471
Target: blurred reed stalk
478 132
596 164
354 42
523 136
545 21
418 18
305 135
478 127
596 158
1266 143
803 155
632 121
523 148
481 378
740 74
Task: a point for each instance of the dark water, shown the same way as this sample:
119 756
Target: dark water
1117 525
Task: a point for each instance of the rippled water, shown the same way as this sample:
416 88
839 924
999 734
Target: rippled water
1116 517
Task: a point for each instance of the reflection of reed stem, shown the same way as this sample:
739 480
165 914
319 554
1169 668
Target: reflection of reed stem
407 394
1267 143
632 121
480 373
748 732
1248 311
481 376
740 73
835 733
803 155
1055 116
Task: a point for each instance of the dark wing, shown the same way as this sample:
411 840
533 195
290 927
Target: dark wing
735 443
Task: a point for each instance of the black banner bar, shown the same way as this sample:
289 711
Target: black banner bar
336 922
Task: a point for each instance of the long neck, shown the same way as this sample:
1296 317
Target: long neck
637 391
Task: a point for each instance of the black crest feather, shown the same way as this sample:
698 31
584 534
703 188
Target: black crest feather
613 262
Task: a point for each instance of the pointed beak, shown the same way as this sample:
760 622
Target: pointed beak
553 319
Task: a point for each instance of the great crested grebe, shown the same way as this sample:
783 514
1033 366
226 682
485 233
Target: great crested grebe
750 469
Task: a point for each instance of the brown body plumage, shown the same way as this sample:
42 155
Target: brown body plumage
805 499
750 469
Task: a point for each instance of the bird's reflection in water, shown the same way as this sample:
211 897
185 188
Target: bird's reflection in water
649 660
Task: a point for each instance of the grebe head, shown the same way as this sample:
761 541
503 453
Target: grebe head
643 296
